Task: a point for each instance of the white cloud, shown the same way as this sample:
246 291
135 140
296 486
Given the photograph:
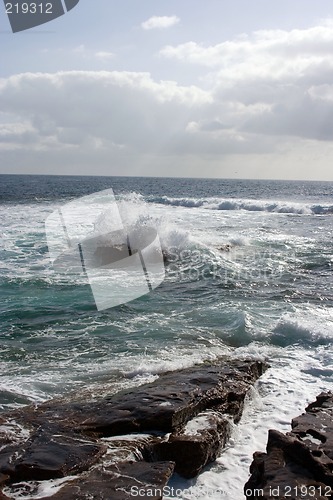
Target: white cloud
322 92
14 135
302 47
279 83
160 22
104 56
95 110
272 56
260 94
80 49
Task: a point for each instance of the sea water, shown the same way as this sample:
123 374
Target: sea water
249 273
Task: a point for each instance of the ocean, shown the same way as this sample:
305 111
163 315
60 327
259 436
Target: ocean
249 273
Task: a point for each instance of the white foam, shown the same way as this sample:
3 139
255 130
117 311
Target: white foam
280 207
306 324
297 375
13 432
281 394
128 437
170 362
197 424
34 490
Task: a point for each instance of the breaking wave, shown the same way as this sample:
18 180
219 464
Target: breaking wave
281 207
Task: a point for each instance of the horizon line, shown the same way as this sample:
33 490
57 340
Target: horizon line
168 177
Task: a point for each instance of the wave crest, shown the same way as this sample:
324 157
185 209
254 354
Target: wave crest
281 207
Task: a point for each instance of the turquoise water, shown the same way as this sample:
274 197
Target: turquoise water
270 297
273 288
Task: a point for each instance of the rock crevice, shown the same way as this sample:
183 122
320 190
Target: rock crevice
298 464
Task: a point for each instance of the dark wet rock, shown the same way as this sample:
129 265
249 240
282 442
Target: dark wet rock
300 461
47 455
132 447
163 405
91 438
176 397
197 445
225 248
3 480
315 427
121 481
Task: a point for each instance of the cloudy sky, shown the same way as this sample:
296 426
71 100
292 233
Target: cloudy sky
184 88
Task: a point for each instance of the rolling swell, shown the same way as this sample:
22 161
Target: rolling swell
282 207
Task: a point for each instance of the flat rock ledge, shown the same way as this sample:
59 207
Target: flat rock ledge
126 443
298 464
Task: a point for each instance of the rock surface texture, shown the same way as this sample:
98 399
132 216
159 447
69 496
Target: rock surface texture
104 448
298 464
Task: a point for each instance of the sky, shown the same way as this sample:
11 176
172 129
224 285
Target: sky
221 88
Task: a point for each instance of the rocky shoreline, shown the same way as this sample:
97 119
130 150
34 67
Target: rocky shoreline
137 438
298 464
